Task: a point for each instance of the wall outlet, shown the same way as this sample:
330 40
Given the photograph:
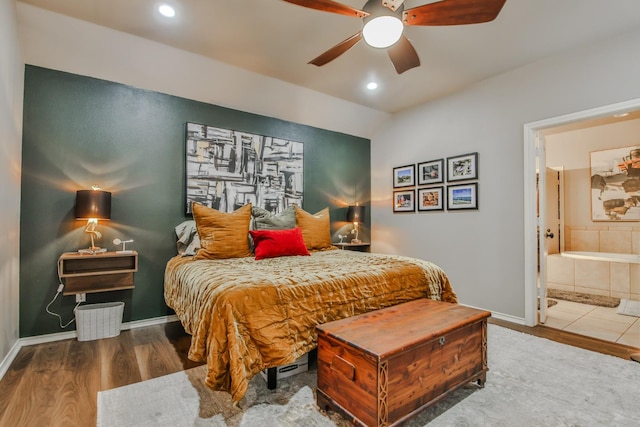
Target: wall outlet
81 297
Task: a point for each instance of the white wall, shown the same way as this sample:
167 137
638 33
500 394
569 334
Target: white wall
61 43
11 85
483 251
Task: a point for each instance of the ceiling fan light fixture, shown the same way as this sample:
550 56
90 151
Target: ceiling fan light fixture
382 31
166 10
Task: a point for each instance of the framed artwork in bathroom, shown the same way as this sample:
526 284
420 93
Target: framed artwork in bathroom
615 184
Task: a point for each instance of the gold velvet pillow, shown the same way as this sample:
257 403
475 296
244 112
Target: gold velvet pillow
222 235
316 229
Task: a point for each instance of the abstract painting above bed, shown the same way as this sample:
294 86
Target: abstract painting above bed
226 168
246 315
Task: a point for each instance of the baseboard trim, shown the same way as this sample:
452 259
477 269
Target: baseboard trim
59 336
510 318
6 362
149 322
502 316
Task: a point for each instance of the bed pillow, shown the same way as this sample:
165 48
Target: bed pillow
316 229
265 220
277 243
222 235
188 241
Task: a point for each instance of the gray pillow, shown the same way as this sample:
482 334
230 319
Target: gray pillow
265 220
188 240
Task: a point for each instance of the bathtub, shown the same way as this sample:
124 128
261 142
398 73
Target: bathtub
604 256
597 273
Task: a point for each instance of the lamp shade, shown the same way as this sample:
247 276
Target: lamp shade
93 204
355 214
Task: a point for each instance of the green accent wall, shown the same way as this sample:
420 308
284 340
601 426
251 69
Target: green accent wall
79 131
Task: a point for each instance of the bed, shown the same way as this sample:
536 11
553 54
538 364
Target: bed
247 314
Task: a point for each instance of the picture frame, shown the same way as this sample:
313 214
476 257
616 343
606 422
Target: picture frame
462 167
431 199
431 172
615 184
404 176
226 168
462 196
404 201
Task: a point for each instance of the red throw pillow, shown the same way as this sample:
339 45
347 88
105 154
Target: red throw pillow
276 243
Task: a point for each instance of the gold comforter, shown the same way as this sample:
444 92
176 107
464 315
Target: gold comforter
246 315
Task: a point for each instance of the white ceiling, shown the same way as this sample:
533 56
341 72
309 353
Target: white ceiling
277 39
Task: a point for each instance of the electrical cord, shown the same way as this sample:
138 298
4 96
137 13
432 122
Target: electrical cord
58 292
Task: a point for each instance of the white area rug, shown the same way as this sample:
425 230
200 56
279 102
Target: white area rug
629 307
531 382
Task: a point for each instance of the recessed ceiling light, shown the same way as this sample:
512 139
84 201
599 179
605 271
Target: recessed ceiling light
621 115
167 10
372 85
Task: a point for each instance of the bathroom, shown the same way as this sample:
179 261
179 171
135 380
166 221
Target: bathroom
593 259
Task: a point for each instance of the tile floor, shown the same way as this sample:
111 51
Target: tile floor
594 321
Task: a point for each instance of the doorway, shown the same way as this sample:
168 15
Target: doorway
588 276
539 225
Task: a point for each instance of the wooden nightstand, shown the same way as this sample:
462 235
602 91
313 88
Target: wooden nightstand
359 247
108 271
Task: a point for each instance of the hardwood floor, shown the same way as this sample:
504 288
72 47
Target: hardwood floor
56 384
588 343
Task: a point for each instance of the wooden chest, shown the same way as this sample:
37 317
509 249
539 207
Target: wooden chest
382 367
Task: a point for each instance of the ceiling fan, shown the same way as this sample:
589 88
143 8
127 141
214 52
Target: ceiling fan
384 21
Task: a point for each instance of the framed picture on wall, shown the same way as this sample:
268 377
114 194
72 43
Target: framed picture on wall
226 169
404 176
464 167
431 172
430 199
462 196
404 201
615 184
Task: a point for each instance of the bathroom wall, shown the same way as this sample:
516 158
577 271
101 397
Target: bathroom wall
571 150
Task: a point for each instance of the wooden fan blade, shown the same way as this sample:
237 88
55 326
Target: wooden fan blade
403 55
453 12
337 50
330 6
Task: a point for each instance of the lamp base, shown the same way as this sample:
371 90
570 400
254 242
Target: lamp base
356 241
92 251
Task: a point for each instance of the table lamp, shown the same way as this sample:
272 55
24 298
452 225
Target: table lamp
355 214
93 205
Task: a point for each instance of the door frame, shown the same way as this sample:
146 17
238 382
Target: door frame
529 191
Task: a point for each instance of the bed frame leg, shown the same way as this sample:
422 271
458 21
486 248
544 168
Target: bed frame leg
272 378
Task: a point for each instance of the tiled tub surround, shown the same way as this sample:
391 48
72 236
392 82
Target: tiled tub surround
596 273
620 238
